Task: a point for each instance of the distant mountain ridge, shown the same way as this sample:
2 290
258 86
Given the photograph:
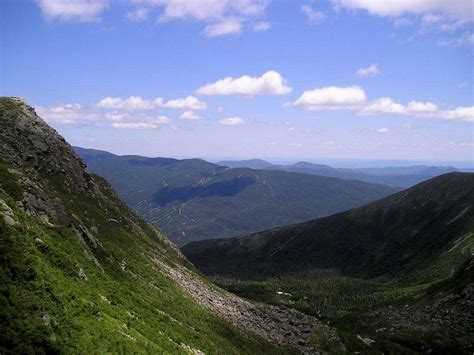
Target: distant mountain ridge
386 236
392 176
193 199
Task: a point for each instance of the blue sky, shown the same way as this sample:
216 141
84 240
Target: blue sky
355 79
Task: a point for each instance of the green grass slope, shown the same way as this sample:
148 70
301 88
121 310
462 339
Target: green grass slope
193 200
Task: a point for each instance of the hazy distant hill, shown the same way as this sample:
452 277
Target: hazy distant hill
192 199
392 176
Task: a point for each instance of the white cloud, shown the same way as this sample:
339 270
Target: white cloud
383 130
232 121
314 17
418 107
130 103
462 113
161 120
371 70
270 83
331 97
189 115
188 103
138 14
144 122
223 28
133 125
66 114
114 116
207 10
136 103
261 26
223 17
456 9
384 105
72 10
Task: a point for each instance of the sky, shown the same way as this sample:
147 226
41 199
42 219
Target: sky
291 80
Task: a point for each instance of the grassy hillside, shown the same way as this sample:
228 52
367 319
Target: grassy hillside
192 199
413 248
81 273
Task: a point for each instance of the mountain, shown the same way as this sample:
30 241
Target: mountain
81 273
411 250
251 163
392 176
192 199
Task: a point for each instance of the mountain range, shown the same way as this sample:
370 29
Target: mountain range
411 250
392 176
193 199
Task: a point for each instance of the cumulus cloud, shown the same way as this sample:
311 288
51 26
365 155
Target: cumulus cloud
384 105
69 114
144 123
133 125
66 114
269 83
206 10
314 17
371 70
223 17
261 26
418 107
223 28
461 113
232 121
130 103
456 9
188 103
136 103
189 115
383 130
332 97
72 10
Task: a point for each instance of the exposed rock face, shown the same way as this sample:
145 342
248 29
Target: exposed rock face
7 213
284 326
26 140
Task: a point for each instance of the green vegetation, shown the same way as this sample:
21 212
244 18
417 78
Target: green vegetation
77 270
125 305
9 182
361 269
192 199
